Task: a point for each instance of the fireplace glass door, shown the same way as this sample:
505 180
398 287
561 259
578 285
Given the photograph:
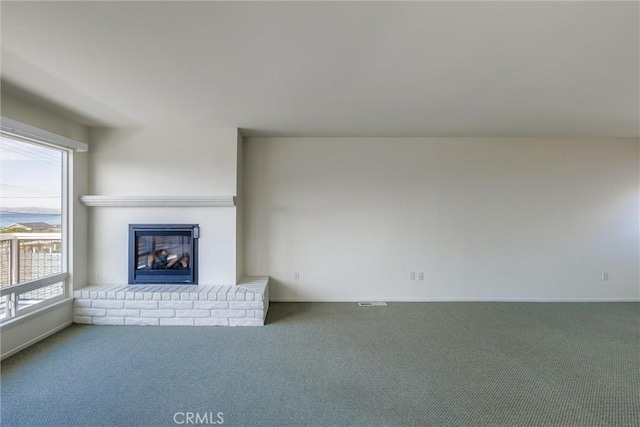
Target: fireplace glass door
163 253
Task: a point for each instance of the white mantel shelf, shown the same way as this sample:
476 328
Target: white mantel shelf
158 201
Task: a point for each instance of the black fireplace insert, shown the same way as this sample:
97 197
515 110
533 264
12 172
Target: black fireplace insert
163 253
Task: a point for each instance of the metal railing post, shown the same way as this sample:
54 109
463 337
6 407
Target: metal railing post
15 260
12 305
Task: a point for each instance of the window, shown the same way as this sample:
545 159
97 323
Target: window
33 226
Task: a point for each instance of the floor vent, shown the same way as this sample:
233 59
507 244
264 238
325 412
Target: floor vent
372 304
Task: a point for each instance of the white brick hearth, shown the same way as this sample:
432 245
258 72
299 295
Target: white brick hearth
245 304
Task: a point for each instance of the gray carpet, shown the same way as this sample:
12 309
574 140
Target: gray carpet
337 364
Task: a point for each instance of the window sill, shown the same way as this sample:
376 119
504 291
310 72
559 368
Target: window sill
34 314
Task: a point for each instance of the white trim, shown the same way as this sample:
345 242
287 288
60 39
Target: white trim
16 321
30 236
23 130
481 299
158 201
33 285
36 339
64 217
38 306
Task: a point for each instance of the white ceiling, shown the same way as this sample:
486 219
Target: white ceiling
332 68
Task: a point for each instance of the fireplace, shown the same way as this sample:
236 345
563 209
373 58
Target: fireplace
163 253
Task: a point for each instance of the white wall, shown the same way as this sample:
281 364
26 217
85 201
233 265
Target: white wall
240 209
38 325
163 162
17 109
482 218
80 242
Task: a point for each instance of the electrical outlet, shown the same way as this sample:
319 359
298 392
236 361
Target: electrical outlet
421 275
296 276
412 275
605 276
99 275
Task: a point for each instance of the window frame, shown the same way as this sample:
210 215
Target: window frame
31 135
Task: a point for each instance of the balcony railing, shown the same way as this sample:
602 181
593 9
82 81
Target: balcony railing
31 272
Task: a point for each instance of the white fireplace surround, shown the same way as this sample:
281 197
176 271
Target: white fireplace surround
244 304
214 302
158 201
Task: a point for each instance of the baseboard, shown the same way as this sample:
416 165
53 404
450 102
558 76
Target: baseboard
480 299
35 340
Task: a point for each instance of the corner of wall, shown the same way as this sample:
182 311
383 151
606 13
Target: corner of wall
80 219
240 208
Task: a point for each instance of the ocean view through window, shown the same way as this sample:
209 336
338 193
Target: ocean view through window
32 226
